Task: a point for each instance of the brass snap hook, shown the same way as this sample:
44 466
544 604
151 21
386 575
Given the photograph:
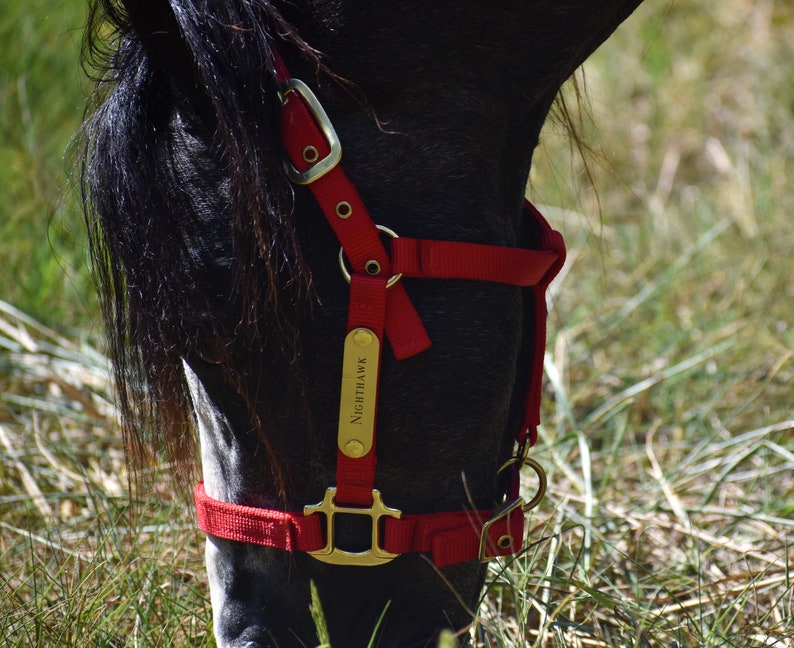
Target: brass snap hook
539 471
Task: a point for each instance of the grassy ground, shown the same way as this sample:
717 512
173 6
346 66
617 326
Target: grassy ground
669 431
42 253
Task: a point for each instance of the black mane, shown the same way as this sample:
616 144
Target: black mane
165 281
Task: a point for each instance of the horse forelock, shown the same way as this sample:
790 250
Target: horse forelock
189 214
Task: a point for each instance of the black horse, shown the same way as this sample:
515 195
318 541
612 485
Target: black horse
227 309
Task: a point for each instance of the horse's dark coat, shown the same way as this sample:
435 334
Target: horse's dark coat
221 285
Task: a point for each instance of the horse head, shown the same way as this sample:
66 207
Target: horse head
357 412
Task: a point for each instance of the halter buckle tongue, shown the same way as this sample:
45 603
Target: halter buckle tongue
331 554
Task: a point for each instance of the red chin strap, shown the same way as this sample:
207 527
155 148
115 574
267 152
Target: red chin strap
380 308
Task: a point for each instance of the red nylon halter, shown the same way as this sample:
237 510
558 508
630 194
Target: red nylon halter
380 305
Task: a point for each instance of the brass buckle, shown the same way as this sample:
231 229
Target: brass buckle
373 556
319 167
504 541
376 270
509 507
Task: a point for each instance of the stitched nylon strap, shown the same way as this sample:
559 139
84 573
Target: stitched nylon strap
553 242
449 538
355 477
533 269
450 260
265 527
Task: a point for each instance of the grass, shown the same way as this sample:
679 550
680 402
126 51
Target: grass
669 430
81 564
43 250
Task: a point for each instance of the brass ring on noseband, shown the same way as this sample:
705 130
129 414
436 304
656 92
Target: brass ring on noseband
542 484
539 472
374 264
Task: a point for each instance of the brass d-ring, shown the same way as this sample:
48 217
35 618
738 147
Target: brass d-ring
346 273
542 484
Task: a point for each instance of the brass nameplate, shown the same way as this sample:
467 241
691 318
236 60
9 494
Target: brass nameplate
359 392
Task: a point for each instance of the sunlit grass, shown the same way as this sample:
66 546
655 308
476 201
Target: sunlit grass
79 565
42 243
668 426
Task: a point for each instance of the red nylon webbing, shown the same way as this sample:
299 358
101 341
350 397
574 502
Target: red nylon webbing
552 241
355 477
450 538
452 260
266 527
